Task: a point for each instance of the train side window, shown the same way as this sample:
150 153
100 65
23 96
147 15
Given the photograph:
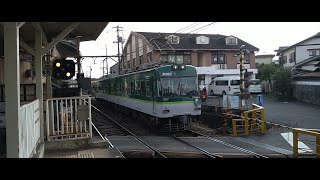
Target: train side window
139 88
159 88
143 88
135 87
132 87
148 89
125 86
114 88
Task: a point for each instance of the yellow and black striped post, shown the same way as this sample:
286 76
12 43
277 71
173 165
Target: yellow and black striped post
241 107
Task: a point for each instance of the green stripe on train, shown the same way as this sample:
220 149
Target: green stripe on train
148 101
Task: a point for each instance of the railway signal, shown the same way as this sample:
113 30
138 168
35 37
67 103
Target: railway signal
63 69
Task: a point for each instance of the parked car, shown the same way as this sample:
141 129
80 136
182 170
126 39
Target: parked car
224 85
255 86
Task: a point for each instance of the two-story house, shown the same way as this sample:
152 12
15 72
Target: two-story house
213 54
264 59
304 58
296 53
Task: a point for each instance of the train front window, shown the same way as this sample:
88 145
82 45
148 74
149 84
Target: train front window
186 86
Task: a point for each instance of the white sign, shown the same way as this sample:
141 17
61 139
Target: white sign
302 148
231 101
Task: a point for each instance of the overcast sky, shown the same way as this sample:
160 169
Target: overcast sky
267 36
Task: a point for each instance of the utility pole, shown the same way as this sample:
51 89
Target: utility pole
103 67
119 40
78 57
79 75
107 60
90 71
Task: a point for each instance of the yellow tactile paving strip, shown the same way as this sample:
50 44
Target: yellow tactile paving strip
79 155
86 155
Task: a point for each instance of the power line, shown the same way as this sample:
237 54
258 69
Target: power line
188 34
198 29
188 27
119 40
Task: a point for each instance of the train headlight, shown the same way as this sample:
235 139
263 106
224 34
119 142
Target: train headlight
175 67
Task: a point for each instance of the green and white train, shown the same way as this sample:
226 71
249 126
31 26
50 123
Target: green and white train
166 96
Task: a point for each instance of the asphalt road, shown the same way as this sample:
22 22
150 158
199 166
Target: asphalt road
293 113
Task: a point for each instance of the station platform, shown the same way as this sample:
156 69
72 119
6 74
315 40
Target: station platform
85 148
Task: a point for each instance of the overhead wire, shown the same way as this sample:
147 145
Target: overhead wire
180 38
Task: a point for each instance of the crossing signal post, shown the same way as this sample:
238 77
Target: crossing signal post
63 69
244 93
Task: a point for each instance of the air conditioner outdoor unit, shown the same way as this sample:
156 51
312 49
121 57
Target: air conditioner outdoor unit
222 66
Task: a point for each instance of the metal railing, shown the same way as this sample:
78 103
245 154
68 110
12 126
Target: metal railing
68 118
311 132
29 129
256 122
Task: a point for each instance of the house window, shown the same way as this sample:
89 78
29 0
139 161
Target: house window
292 57
312 53
134 62
149 57
231 41
187 58
245 60
179 58
284 59
171 58
218 58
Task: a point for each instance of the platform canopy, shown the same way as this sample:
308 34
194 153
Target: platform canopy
85 31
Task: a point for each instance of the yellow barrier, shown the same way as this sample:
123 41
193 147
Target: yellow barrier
244 126
256 112
310 132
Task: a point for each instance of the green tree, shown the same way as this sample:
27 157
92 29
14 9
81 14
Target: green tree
282 81
266 71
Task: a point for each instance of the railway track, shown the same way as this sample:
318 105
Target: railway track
231 145
101 126
122 131
107 126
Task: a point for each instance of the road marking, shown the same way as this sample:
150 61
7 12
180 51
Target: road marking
302 148
265 146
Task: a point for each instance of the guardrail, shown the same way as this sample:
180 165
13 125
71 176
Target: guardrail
68 118
311 132
29 129
251 120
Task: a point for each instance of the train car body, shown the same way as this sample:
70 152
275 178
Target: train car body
164 93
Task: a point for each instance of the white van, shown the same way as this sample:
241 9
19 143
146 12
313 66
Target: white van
224 85
255 86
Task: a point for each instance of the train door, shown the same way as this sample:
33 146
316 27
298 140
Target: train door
153 93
